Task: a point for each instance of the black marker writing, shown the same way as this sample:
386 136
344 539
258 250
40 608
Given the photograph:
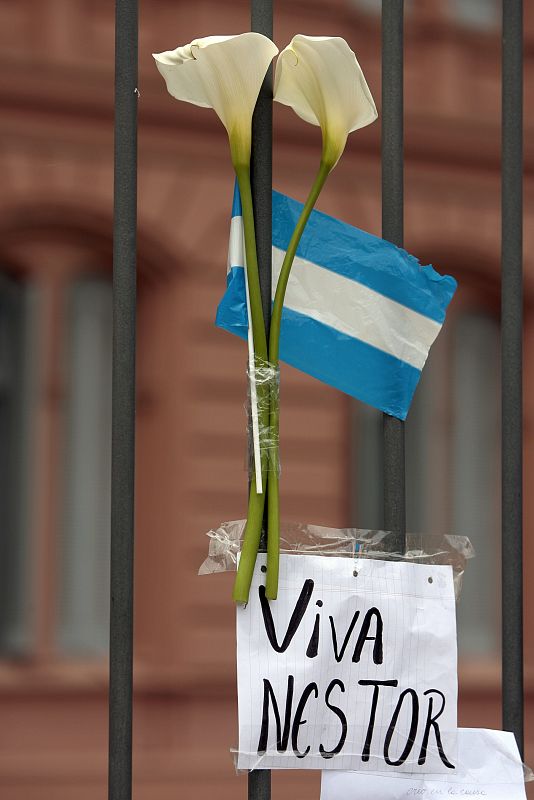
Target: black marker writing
298 721
342 718
432 721
282 738
413 728
313 645
373 614
372 716
294 622
338 655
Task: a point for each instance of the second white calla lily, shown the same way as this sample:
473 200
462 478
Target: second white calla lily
224 73
320 78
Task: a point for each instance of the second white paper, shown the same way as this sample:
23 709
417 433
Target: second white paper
488 766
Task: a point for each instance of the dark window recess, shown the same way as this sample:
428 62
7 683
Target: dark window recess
15 399
375 6
482 15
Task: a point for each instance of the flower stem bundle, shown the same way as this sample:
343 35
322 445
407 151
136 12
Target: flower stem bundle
320 78
256 502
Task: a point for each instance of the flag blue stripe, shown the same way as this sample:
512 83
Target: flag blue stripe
348 364
236 202
232 310
364 258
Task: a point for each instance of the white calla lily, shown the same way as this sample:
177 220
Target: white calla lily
320 78
224 73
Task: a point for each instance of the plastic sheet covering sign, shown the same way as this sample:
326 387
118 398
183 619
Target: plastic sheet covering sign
488 766
352 667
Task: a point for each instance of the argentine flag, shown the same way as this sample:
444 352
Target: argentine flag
359 314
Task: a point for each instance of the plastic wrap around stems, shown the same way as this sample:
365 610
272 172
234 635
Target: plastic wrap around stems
264 389
225 544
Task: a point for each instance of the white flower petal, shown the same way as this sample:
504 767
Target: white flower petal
220 72
320 78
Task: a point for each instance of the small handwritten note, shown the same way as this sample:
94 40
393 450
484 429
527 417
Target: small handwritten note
488 766
352 667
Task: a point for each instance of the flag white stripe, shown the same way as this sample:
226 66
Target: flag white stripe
357 311
236 247
350 308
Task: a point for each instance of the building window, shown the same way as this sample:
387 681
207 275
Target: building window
55 429
477 14
372 6
84 549
452 465
375 6
17 368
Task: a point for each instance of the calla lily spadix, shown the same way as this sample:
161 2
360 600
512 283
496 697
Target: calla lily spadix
224 73
321 80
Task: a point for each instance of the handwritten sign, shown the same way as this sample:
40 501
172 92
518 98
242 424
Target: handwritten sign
352 667
488 766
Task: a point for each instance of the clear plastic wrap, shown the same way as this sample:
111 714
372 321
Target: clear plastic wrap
264 388
234 753
225 543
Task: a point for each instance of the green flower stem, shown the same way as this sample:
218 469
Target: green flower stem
256 503
273 500
253 276
251 542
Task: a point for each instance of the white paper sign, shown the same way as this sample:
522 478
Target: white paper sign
352 667
488 766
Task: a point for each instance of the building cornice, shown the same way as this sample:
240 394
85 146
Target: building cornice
66 102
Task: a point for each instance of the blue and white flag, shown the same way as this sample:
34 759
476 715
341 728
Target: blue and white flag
359 314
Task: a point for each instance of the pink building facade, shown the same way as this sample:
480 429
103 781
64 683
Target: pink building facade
56 162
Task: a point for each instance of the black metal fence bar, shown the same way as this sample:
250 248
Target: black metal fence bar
123 403
511 355
259 781
392 229
261 166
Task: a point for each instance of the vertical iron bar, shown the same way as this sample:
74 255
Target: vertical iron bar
392 230
261 160
511 355
123 402
261 21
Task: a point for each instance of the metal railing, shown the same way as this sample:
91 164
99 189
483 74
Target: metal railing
124 271
511 368
261 21
392 137
123 402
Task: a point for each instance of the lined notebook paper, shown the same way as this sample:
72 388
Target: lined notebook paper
352 667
